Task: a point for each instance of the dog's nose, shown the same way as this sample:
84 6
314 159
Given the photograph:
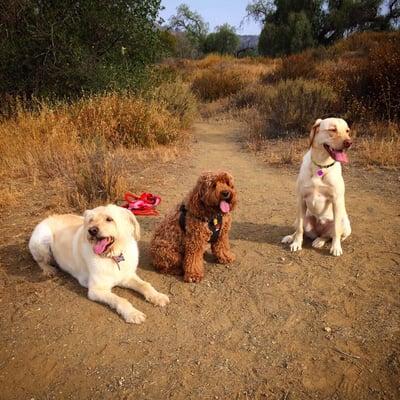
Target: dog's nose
347 143
93 231
225 194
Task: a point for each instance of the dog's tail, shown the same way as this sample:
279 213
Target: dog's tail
40 247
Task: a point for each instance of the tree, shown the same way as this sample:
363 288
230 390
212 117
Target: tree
168 43
290 26
63 47
259 10
224 40
191 23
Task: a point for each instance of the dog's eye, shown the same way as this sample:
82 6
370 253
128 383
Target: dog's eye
109 219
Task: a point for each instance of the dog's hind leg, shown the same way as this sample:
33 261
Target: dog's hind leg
346 227
166 259
40 248
319 242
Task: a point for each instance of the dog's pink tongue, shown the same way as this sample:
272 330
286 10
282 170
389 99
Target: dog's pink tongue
225 207
341 156
100 246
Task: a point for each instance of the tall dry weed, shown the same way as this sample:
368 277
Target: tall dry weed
288 108
86 147
178 99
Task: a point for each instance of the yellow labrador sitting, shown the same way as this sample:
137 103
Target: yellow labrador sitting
100 250
321 211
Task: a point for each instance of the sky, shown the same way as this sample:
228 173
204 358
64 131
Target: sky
216 12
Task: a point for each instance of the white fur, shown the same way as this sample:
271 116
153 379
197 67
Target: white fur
65 240
322 197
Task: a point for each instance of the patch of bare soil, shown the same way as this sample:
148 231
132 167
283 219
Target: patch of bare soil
273 325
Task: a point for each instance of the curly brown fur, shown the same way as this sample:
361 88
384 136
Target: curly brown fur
176 251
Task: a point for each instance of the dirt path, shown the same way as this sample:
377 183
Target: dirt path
274 325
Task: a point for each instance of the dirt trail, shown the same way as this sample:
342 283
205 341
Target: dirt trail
273 325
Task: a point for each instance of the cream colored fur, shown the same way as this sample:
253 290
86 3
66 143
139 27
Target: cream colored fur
65 240
321 200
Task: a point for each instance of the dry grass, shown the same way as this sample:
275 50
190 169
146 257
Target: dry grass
87 149
216 110
378 144
178 99
9 196
214 84
279 151
356 79
124 120
287 108
216 76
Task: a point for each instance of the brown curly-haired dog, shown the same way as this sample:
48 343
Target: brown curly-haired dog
180 241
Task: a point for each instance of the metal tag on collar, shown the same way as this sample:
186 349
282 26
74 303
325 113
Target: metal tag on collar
119 259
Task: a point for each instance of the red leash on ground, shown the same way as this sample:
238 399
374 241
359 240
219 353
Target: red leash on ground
144 204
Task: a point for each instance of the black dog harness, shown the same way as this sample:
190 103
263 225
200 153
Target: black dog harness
214 224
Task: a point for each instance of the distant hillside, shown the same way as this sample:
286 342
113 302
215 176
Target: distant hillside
248 41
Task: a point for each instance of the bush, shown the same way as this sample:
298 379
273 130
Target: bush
61 48
301 65
252 95
212 84
178 99
99 177
362 43
368 85
290 107
124 120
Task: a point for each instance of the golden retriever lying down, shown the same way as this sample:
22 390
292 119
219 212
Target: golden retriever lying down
321 210
99 250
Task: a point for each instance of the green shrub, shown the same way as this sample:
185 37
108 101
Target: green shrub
59 49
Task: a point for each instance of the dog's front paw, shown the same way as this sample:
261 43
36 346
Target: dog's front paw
296 245
192 277
226 258
158 299
134 317
287 239
336 249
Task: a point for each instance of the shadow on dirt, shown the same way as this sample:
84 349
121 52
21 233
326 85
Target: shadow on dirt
18 262
260 233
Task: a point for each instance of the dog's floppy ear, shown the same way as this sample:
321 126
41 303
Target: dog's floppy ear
314 130
195 197
133 222
230 179
87 214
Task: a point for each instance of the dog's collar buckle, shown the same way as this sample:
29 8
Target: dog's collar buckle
118 259
215 224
